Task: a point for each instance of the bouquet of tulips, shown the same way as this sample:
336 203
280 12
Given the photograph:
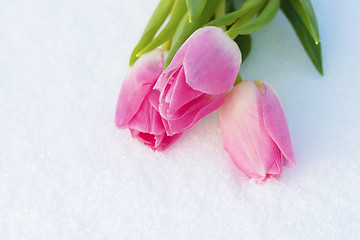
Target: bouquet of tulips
191 68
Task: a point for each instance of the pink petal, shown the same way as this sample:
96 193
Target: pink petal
180 95
156 142
165 86
149 127
178 58
165 141
276 168
212 61
175 64
146 138
189 114
147 119
137 84
276 124
244 135
153 98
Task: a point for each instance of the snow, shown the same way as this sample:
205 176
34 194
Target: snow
66 171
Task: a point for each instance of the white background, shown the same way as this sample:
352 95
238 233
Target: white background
66 171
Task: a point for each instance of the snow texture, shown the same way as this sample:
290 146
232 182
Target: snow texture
66 171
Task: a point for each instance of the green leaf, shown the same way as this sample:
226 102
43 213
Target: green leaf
196 8
230 6
244 43
306 12
238 80
220 10
266 15
157 19
312 49
247 11
168 31
186 28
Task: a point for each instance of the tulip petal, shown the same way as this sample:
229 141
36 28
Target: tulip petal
276 124
189 114
181 94
153 98
178 58
165 85
276 168
140 80
146 138
176 63
244 135
147 119
156 142
212 61
164 141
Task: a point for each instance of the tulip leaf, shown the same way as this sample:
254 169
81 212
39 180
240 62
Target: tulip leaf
238 80
265 16
157 19
230 6
221 9
306 12
247 11
244 43
177 13
186 28
196 8
310 46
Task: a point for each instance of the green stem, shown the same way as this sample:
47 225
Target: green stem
157 19
244 14
266 15
220 11
177 13
167 45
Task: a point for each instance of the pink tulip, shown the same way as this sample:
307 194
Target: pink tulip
197 79
137 106
255 131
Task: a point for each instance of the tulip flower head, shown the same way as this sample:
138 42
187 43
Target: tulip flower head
255 131
197 79
137 106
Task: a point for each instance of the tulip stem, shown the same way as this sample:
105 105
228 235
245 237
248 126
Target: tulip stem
157 19
233 36
167 45
220 11
238 79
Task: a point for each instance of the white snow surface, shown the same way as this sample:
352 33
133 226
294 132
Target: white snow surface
66 171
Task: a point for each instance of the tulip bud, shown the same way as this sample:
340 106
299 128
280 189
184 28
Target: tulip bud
255 131
137 106
197 79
